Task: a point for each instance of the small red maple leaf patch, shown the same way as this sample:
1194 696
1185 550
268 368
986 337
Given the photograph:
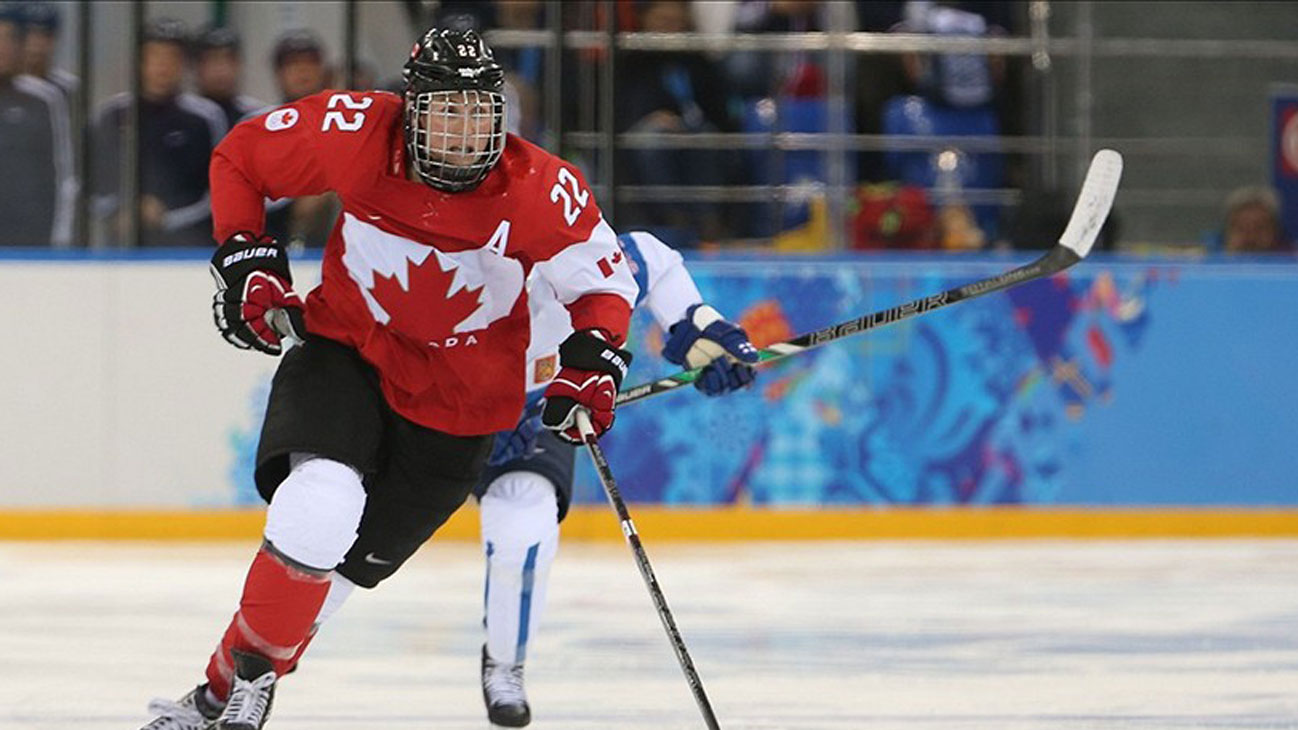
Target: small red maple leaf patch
425 309
606 264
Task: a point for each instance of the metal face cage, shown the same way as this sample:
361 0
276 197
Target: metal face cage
455 138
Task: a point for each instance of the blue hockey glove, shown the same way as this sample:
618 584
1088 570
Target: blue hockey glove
521 442
704 339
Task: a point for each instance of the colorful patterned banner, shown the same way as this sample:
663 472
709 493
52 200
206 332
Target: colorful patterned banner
1117 384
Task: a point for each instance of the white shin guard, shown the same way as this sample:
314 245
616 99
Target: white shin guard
315 512
520 534
340 589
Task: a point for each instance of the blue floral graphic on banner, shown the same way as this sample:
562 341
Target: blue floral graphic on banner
243 447
973 404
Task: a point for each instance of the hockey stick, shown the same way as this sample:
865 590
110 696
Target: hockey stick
1093 204
646 570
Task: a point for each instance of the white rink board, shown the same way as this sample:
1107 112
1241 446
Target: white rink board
117 390
811 636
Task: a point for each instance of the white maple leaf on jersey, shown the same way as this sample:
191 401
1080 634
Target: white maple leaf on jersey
371 252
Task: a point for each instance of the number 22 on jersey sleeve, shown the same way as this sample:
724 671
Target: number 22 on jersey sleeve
573 196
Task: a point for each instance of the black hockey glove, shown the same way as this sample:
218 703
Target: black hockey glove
590 372
255 305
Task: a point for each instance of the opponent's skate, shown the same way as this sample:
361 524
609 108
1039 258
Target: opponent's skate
251 694
191 712
503 693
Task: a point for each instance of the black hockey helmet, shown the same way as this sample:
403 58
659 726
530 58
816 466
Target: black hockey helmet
455 109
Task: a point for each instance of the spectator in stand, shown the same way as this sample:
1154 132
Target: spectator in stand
364 77
673 92
301 69
879 77
959 80
763 73
41 23
1252 222
469 14
177 133
218 56
36 183
786 92
524 68
955 96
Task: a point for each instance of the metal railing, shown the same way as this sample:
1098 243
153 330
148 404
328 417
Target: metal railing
1049 146
893 43
1055 151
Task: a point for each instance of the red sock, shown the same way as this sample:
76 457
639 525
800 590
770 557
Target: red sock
301 649
279 606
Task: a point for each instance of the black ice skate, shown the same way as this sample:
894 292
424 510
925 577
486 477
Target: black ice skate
250 695
503 693
191 712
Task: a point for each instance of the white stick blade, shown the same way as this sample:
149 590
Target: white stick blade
1094 202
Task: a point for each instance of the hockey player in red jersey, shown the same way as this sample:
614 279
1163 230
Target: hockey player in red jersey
414 344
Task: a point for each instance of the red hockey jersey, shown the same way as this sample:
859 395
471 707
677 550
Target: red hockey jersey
427 286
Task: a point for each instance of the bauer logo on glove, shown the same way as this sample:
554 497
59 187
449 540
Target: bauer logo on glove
255 306
250 253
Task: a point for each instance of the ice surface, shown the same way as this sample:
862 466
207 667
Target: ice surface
906 635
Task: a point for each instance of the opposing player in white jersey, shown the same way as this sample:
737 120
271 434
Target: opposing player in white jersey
527 487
